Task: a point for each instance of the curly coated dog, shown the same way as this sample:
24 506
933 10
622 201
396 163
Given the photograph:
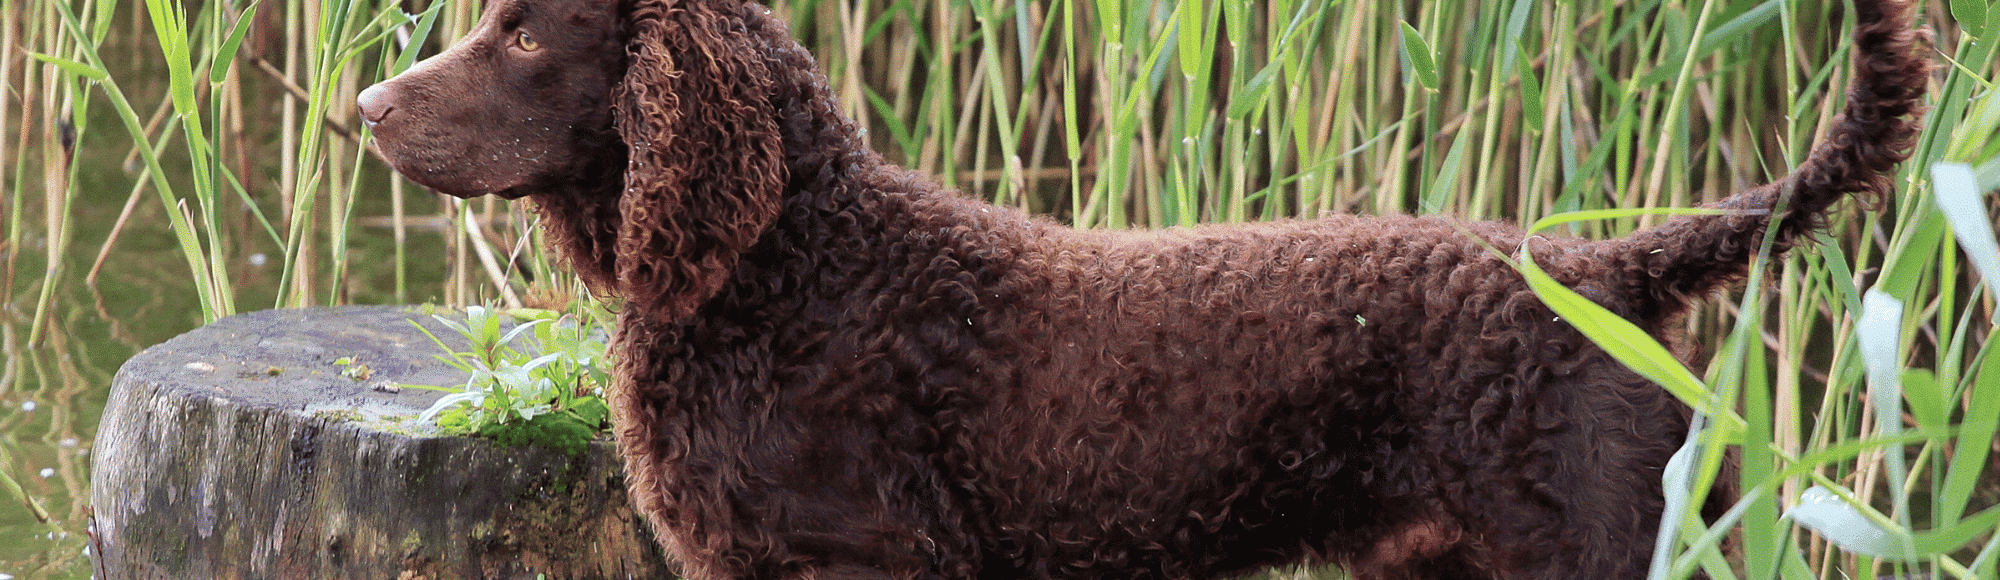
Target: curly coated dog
829 367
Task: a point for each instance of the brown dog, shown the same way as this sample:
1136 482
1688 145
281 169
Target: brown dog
829 368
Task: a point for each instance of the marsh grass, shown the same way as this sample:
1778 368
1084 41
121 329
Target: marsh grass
1116 113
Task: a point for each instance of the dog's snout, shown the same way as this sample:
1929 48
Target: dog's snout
375 104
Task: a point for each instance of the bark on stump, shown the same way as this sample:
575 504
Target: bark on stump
239 450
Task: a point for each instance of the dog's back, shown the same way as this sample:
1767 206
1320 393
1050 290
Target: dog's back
1381 392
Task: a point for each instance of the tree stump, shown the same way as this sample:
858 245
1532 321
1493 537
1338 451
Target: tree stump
241 450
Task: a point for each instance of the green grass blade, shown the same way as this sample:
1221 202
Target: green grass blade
1628 344
1851 524
1958 198
1926 398
425 23
1968 460
1446 184
1423 61
226 56
1533 105
73 67
1740 26
1969 10
1947 539
1544 224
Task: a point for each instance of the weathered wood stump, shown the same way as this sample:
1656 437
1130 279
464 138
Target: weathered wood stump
240 450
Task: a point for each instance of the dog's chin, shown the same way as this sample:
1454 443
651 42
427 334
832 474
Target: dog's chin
516 192
467 187
509 193
454 189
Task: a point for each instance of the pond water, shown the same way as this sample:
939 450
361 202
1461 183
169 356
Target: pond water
60 346
53 385
59 384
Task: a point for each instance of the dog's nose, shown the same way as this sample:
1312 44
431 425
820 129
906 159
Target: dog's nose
375 104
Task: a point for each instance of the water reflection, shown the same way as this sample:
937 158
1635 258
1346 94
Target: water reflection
53 388
51 394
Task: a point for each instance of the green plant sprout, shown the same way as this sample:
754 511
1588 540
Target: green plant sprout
547 391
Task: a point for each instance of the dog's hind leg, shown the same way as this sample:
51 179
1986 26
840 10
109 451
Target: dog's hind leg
1595 494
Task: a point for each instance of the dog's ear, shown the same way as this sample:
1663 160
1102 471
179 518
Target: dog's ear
705 167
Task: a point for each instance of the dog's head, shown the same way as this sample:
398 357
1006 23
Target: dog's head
520 103
553 98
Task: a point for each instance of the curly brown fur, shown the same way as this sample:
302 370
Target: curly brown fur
830 368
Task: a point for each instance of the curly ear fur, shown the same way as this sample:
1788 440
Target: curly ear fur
705 168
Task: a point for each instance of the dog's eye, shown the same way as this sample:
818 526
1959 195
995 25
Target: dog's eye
526 42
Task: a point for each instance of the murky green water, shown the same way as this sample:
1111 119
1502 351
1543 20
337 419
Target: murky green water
53 386
56 374
53 389
60 384
60 380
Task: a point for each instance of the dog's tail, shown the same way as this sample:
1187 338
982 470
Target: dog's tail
1691 256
